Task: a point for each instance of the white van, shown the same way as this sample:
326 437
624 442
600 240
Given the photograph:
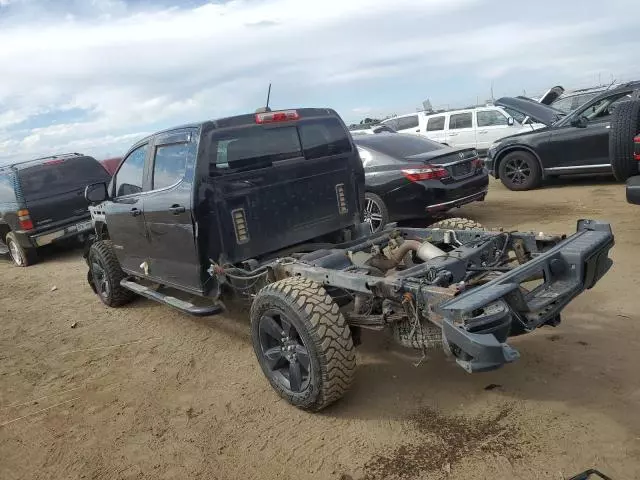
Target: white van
475 127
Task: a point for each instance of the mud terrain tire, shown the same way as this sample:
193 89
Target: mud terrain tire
106 274
305 314
457 223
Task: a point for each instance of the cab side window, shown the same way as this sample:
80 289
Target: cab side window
128 179
169 164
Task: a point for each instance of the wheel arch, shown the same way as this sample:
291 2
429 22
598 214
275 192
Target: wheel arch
4 230
102 232
514 148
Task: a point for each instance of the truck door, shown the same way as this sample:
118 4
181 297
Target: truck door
172 253
124 213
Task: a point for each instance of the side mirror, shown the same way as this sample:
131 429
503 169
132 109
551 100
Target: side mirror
510 121
579 122
633 190
96 193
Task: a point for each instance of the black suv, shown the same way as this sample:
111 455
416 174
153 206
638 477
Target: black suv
577 143
269 207
41 202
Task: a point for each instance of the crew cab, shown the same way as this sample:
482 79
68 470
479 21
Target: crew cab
42 202
269 208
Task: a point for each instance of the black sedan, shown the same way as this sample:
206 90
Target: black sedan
577 143
408 176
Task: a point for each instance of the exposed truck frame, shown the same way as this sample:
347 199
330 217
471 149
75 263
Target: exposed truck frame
453 285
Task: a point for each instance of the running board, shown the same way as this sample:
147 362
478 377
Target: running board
183 306
3 249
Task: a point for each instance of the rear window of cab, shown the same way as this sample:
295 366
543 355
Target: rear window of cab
258 146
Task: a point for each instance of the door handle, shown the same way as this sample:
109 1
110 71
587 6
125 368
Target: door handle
453 134
135 212
482 131
608 126
417 130
176 209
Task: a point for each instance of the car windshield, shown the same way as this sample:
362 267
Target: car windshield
399 145
599 109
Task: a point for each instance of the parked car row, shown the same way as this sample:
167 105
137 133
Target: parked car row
468 128
415 165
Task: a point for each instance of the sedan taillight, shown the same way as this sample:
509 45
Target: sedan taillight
428 172
636 148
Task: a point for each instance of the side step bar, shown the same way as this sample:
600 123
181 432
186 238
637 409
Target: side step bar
183 306
3 248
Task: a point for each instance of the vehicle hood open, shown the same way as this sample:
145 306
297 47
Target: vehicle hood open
551 95
538 112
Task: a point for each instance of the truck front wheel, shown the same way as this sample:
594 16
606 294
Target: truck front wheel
105 274
303 343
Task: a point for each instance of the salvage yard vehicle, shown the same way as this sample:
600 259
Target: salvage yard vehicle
42 202
408 177
466 128
575 144
269 207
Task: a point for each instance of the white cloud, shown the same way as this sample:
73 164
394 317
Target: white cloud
135 70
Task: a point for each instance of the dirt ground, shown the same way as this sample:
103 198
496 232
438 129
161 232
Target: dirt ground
146 392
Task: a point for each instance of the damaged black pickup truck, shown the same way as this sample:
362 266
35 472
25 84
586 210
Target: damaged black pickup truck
269 207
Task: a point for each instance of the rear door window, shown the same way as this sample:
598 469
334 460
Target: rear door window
435 124
391 122
460 120
405 123
169 164
128 179
7 192
253 147
58 176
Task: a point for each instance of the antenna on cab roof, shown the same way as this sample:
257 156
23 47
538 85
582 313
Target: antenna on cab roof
266 108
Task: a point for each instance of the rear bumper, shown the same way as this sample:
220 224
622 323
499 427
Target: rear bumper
477 323
60 233
415 199
479 196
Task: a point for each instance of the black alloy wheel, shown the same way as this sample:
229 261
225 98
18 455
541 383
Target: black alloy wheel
519 170
285 353
105 275
100 278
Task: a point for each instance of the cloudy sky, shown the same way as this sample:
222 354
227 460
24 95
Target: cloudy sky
95 75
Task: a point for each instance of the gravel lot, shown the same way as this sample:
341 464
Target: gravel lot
146 392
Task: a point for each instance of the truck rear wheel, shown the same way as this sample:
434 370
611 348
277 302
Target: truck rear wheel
106 275
22 257
303 343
